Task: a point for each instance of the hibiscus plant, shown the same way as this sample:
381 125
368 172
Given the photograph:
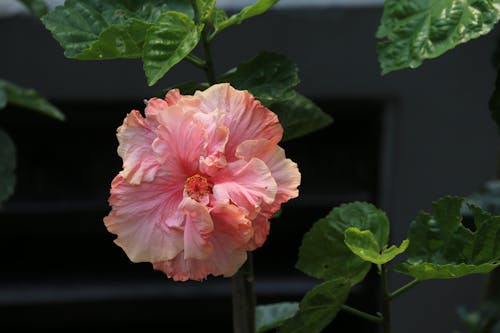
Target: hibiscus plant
203 172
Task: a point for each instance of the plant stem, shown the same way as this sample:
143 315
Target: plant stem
386 300
196 61
403 289
361 314
244 299
209 65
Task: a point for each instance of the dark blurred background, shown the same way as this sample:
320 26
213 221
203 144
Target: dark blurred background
399 141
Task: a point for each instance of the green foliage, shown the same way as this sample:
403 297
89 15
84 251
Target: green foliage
364 244
318 307
414 30
441 247
487 197
218 16
299 116
484 320
268 317
118 28
160 32
27 98
7 166
205 9
259 7
37 7
173 37
324 254
270 77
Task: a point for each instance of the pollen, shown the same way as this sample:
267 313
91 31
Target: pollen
197 187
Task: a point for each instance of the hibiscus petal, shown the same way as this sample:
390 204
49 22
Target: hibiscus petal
173 96
146 218
197 230
136 136
284 171
261 227
247 184
154 106
229 237
244 116
180 137
231 223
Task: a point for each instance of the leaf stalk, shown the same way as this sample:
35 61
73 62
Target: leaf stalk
362 314
403 289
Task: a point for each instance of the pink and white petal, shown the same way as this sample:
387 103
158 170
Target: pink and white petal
181 137
244 116
232 231
261 227
231 224
284 171
247 184
154 106
198 228
214 158
135 138
224 261
180 269
173 96
146 218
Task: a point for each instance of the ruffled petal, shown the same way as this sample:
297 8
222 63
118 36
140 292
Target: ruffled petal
136 136
154 106
284 171
247 184
261 227
146 217
244 116
173 96
197 230
232 231
180 137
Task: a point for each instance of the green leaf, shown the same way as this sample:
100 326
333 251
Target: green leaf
268 317
323 253
363 244
172 39
30 99
427 271
218 16
205 9
414 30
259 7
486 319
441 247
318 307
118 41
270 77
299 116
107 29
37 7
7 166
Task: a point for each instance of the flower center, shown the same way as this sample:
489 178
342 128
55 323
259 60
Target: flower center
197 187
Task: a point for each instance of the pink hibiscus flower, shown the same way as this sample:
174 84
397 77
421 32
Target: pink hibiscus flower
201 177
